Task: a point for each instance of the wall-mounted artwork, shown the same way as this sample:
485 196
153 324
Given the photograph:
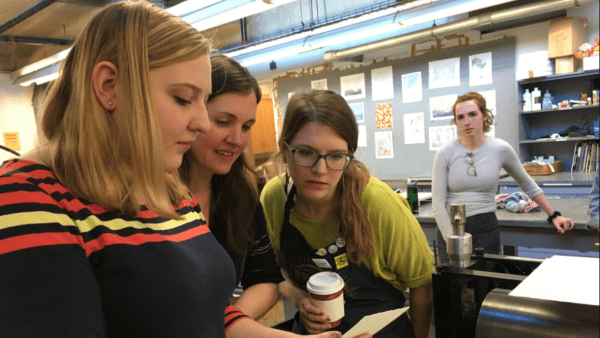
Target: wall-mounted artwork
480 69
383 115
359 111
444 73
440 107
414 128
362 135
353 86
412 88
438 136
384 144
382 84
318 84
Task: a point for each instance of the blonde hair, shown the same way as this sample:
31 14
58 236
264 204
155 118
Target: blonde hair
136 38
330 109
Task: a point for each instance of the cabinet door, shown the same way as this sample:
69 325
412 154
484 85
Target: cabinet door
263 131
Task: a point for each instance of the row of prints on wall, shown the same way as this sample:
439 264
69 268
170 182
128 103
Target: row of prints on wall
442 74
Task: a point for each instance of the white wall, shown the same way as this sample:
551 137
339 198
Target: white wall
16 115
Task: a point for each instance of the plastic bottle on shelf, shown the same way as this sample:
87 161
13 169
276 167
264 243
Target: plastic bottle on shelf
527 100
547 101
536 99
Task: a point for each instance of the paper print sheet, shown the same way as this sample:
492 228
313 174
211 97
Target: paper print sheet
383 115
362 135
318 84
359 111
440 107
412 88
490 102
384 144
444 73
438 136
534 64
414 128
353 86
382 80
11 141
480 69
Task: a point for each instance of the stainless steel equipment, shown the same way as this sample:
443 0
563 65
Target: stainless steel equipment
484 273
504 316
460 243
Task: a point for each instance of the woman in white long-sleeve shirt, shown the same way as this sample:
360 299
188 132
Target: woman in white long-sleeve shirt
467 170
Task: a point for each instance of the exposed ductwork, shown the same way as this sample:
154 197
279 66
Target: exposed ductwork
481 21
26 14
36 41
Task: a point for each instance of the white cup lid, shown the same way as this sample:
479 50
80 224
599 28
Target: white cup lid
325 283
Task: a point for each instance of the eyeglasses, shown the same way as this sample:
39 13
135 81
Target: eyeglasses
471 170
308 158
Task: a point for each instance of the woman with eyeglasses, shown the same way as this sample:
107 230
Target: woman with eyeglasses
467 170
326 213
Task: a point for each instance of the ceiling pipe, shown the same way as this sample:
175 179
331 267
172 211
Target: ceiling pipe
25 15
480 21
36 41
243 27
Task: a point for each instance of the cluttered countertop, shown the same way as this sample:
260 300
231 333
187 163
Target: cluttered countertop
573 208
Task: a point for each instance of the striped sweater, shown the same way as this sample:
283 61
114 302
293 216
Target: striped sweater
69 268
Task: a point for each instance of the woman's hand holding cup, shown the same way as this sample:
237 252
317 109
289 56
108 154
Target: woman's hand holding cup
324 308
314 318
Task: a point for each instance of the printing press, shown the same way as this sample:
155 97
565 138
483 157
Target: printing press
471 296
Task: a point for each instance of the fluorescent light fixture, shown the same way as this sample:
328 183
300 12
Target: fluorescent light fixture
40 80
320 30
190 6
40 64
228 11
43 75
446 11
267 57
375 24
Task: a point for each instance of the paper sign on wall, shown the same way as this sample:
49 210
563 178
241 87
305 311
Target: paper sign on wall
11 140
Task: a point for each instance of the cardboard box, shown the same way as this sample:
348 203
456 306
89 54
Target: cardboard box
591 62
537 169
565 64
566 35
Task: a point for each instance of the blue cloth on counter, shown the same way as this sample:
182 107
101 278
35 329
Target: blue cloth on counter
517 202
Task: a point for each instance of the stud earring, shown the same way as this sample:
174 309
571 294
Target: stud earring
110 103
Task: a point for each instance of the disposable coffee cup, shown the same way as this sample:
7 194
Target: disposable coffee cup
326 290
